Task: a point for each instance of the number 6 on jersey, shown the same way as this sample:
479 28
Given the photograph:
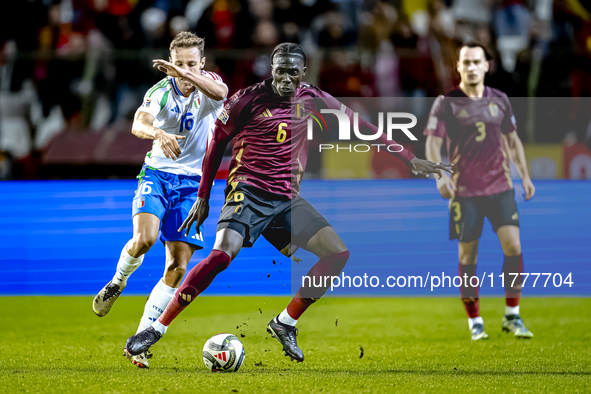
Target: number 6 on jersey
281 133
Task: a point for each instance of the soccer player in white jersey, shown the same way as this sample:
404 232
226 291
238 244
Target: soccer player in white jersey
178 113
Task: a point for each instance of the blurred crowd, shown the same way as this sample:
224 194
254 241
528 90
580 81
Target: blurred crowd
85 64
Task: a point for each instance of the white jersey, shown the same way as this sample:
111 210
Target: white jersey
192 117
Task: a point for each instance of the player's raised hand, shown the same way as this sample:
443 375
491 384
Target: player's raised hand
197 214
446 187
529 188
168 68
426 167
168 143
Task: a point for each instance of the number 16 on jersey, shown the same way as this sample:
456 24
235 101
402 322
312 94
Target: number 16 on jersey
186 122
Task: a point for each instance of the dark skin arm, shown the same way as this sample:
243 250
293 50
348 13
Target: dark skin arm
425 167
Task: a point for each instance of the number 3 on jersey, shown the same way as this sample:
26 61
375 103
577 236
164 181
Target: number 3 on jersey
186 122
481 126
281 133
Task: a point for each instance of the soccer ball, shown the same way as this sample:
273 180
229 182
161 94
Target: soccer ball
223 352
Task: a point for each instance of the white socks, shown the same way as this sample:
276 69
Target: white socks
512 310
509 310
157 302
125 267
475 320
161 328
286 319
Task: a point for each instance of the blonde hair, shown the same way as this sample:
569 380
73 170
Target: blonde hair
186 39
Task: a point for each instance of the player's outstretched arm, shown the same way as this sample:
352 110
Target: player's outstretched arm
143 128
211 163
208 86
445 185
419 166
518 157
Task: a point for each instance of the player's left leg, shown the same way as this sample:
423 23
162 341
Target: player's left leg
512 270
333 255
311 231
503 215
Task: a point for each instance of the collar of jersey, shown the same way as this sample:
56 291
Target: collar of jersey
485 92
175 87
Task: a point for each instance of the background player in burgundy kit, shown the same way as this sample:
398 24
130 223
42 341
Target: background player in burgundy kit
480 128
269 157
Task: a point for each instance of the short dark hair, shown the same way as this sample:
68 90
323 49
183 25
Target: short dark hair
288 49
474 44
186 39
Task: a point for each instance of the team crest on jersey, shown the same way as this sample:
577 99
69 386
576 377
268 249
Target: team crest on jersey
232 100
223 116
494 109
147 103
463 114
141 202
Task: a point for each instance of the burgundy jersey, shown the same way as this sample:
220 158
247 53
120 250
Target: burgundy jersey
476 131
267 151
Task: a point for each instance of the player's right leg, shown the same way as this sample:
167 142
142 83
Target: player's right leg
227 245
145 232
466 221
178 254
149 205
468 252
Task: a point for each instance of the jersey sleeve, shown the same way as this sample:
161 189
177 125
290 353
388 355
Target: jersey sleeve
509 123
216 78
228 121
436 125
155 99
226 126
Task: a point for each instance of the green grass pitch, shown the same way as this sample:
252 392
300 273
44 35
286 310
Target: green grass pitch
57 344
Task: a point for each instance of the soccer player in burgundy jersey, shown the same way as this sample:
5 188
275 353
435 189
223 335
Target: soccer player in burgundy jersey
262 195
479 126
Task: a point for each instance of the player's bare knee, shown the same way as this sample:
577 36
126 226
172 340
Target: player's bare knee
177 266
512 248
468 259
326 242
333 251
140 244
